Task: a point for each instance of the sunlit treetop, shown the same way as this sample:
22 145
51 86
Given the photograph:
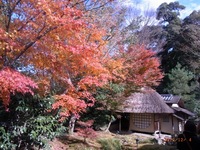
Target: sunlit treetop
53 42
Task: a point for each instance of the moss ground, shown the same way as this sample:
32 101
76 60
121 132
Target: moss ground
128 142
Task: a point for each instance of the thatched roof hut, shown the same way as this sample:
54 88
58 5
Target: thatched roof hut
146 101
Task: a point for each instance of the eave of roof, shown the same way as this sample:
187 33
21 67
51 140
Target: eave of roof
178 117
184 111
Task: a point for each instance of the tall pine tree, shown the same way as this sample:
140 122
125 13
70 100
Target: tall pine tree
182 83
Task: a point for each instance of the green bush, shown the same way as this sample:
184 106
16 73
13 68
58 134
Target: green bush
110 144
28 123
5 140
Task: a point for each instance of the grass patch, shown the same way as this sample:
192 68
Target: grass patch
107 141
110 144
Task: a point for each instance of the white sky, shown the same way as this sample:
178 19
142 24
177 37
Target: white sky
153 4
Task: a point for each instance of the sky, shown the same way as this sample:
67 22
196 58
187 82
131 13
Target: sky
153 4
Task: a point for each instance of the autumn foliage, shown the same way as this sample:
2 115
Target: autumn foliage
57 43
85 130
136 67
54 43
142 67
12 82
55 56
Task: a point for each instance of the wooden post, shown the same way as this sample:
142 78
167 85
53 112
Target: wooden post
119 116
120 124
172 123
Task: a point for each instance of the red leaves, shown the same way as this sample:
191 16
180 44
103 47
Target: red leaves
11 82
143 67
86 130
93 81
60 44
136 67
73 103
70 104
64 46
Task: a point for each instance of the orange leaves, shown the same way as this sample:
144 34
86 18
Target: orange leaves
65 48
11 82
8 46
73 103
143 67
69 105
60 44
136 67
116 67
90 82
43 86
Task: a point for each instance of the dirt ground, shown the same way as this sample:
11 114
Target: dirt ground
128 141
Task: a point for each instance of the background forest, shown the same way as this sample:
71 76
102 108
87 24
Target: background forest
66 63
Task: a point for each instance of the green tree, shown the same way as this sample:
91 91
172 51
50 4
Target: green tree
168 14
181 37
107 100
180 40
181 82
188 41
28 123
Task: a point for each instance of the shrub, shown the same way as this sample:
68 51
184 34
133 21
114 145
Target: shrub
85 130
5 140
28 123
110 144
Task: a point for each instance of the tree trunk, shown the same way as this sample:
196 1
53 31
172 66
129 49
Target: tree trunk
107 129
72 124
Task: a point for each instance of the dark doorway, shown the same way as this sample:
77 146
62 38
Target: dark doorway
121 123
125 120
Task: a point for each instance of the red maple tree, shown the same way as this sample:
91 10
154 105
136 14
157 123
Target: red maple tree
11 82
54 42
85 130
136 67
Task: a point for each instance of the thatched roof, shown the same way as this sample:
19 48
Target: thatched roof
146 101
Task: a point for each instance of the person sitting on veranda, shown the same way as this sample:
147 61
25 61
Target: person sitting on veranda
188 140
